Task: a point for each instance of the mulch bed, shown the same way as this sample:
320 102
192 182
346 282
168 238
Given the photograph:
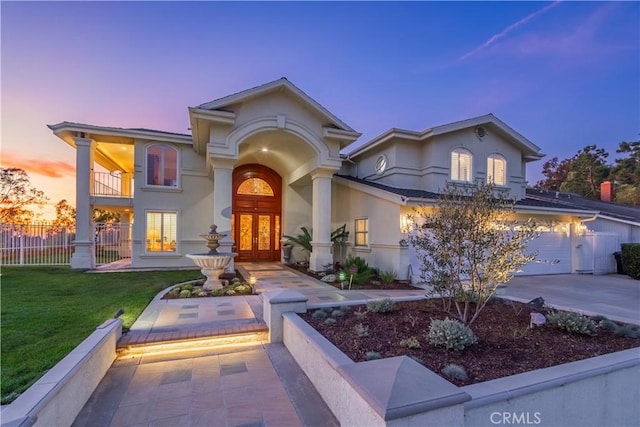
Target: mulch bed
506 345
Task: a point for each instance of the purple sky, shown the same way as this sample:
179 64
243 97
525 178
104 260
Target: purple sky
563 74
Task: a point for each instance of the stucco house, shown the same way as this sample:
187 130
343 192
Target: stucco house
266 161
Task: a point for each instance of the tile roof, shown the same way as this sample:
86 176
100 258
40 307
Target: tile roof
423 194
560 199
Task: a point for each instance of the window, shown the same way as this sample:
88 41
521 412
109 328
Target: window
162 166
161 233
362 232
461 165
496 170
255 187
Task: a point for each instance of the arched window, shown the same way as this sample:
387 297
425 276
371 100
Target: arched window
461 163
496 170
255 187
162 166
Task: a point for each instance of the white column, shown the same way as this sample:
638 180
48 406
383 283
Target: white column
321 219
222 193
83 244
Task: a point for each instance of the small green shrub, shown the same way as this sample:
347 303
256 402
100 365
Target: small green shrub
188 287
631 259
319 314
609 325
598 318
451 370
330 321
372 355
201 293
185 293
388 276
411 342
337 313
385 305
361 330
175 291
360 314
450 334
629 331
345 308
329 310
574 323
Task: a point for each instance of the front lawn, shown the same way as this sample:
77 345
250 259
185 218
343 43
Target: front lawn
47 311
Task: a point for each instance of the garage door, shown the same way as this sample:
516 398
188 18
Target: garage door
554 255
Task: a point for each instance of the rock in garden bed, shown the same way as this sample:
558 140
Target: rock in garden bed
506 345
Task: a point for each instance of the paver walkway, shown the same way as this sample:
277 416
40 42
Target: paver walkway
206 362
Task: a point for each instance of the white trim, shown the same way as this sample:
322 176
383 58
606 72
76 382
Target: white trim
273 86
367 233
66 130
623 221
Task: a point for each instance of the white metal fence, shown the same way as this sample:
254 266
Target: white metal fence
46 244
35 244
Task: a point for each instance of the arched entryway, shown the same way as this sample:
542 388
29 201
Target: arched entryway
256 213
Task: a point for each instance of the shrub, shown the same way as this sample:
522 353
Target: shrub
337 313
574 323
386 305
330 321
608 325
629 331
175 291
387 276
345 308
598 318
319 314
450 334
451 370
329 310
361 330
372 355
188 287
631 259
411 342
364 271
185 293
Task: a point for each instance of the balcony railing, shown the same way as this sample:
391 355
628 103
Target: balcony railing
107 184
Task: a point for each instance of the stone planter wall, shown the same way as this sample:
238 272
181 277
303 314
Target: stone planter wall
399 392
57 397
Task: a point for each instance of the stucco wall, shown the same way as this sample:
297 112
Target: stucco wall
426 165
192 200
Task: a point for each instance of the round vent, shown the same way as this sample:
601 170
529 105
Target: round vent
480 132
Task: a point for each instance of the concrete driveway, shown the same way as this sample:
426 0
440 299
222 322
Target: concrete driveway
614 296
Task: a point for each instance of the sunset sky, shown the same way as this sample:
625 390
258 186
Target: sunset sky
563 74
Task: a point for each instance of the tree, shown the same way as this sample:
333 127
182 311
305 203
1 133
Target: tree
626 174
555 173
468 245
17 194
103 216
65 216
588 169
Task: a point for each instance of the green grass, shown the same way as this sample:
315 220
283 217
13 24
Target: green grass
48 311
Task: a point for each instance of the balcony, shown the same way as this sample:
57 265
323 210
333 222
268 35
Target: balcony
112 188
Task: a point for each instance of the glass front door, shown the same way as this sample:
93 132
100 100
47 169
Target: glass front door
257 236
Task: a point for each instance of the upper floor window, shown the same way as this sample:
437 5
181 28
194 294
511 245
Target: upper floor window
162 166
461 162
496 170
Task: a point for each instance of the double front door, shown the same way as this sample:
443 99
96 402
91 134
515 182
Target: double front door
257 199
257 236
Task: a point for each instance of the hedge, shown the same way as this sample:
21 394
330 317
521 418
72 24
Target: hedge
631 259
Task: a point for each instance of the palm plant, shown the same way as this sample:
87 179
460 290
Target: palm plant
303 240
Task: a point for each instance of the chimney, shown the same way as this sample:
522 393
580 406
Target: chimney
606 191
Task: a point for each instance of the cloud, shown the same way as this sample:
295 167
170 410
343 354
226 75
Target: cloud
509 29
51 169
